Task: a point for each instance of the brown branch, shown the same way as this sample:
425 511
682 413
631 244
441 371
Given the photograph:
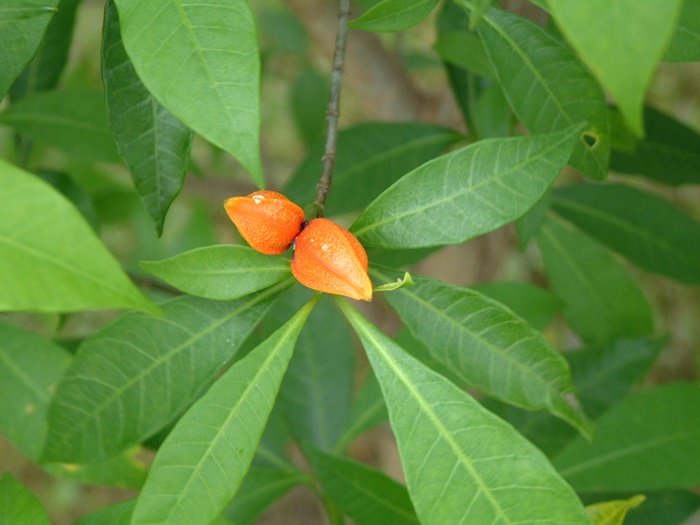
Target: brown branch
333 112
375 76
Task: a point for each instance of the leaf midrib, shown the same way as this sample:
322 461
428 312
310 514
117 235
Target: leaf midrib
163 360
240 402
460 327
459 194
435 420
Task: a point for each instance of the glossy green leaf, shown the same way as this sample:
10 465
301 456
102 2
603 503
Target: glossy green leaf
465 193
621 42
116 514
50 258
30 367
415 347
368 410
602 376
369 158
547 87
669 153
154 144
45 69
135 375
317 391
647 441
366 495
393 15
260 489
19 40
534 304
488 346
186 52
462 463
613 512
203 461
19 505
72 120
464 49
220 272
601 300
645 229
685 44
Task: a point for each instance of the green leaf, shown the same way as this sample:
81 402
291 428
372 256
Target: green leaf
19 40
368 410
534 304
116 514
621 42
45 69
203 461
671 507
647 441
317 391
613 512
50 258
647 230
125 470
28 10
186 53
488 346
135 375
464 49
366 495
370 156
309 100
220 272
400 258
30 367
154 144
260 488
393 15
547 87
602 376
272 450
685 44
74 193
72 120
669 153
19 505
528 224
465 193
601 300
462 463
605 374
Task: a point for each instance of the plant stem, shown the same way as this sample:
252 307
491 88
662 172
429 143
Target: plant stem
328 161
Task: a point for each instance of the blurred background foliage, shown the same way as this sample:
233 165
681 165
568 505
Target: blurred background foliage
396 76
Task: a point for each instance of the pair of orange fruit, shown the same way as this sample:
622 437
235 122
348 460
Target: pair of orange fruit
327 257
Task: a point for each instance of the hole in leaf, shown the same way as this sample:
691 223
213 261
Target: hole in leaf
590 139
